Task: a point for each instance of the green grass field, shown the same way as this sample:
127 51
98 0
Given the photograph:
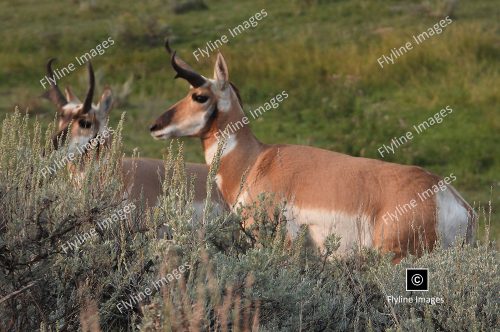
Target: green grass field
323 53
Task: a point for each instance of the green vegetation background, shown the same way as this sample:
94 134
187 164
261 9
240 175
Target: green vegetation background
323 53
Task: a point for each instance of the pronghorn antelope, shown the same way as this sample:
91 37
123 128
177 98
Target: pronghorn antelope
85 121
328 191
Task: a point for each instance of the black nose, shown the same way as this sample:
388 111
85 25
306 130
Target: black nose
153 127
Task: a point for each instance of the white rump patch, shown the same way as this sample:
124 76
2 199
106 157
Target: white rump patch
453 217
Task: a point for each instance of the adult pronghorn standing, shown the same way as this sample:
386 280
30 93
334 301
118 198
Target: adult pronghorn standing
85 122
329 191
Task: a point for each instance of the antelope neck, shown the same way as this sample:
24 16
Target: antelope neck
241 151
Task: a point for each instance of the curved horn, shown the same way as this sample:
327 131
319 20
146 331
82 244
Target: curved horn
167 46
54 94
183 70
87 104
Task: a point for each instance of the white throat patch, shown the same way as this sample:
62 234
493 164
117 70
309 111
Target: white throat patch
228 147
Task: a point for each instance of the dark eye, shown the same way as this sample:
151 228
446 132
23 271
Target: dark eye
84 124
199 98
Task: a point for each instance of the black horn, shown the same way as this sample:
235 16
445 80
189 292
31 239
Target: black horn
183 70
54 94
167 46
87 104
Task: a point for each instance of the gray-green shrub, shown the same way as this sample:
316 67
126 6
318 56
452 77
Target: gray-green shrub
240 279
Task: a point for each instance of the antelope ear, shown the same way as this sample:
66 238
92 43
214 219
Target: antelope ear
70 96
221 74
106 101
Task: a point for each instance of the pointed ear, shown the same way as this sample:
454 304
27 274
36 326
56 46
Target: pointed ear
221 74
106 101
70 96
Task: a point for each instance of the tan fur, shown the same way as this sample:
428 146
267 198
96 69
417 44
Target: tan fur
329 191
146 175
338 182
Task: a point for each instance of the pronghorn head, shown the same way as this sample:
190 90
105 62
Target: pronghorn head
192 115
83 121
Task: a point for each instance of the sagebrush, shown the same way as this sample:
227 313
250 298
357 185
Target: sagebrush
240 279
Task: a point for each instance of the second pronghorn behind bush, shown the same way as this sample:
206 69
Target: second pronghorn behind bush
328 191
142 177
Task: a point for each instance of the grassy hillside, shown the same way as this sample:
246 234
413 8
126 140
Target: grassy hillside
323 53
60 272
